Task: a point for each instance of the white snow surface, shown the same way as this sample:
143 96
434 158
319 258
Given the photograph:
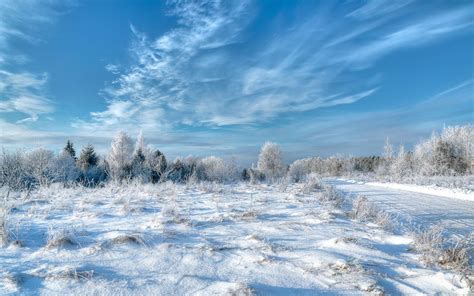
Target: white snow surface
413 207
235 239
464 194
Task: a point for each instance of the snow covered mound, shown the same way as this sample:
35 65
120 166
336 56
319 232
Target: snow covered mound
205 239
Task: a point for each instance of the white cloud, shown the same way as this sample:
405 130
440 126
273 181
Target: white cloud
189 76
24 93
414 34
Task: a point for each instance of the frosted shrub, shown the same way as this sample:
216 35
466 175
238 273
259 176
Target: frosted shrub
4 233
299 169
402 165
64 170
450 153
436 249
331 196
270 161
39 163
14 173
252 175
312 182
216 169
364 210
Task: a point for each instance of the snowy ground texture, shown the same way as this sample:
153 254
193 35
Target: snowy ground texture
209 239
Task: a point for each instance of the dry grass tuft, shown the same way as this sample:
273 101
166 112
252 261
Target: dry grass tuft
4 233
454 254
128 239
363 210
72 274
61 238
331 196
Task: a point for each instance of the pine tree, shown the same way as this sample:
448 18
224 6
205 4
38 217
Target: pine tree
157 163
88 158
69 149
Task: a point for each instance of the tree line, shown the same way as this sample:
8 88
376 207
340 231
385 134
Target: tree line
447 154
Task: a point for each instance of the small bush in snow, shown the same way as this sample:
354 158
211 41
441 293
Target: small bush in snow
4 232
364 210
39 163
299 169
331 196
312 182
58 238
216 169
457 255
14 173
252 175
436 249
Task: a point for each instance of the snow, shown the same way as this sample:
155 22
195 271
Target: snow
235 239
430 190
413 208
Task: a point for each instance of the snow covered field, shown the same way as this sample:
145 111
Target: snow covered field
206 240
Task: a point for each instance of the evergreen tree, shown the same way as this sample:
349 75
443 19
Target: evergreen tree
157 163
88 158
69 149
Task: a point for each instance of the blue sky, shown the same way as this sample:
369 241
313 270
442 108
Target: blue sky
222 77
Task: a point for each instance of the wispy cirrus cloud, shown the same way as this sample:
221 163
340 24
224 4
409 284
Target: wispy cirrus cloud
21 91
24 93
192 76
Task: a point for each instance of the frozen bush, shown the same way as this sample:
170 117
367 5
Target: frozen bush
14 173
39 163
457 254
299 169
331 196
312 182
436 249
216 169
270 161
4 232
64 170
450 153
252 175
364 210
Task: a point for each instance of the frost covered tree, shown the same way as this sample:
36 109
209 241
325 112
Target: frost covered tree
39 164
450 153
120 156
63 168
69 149
270 161
402 165
87 159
